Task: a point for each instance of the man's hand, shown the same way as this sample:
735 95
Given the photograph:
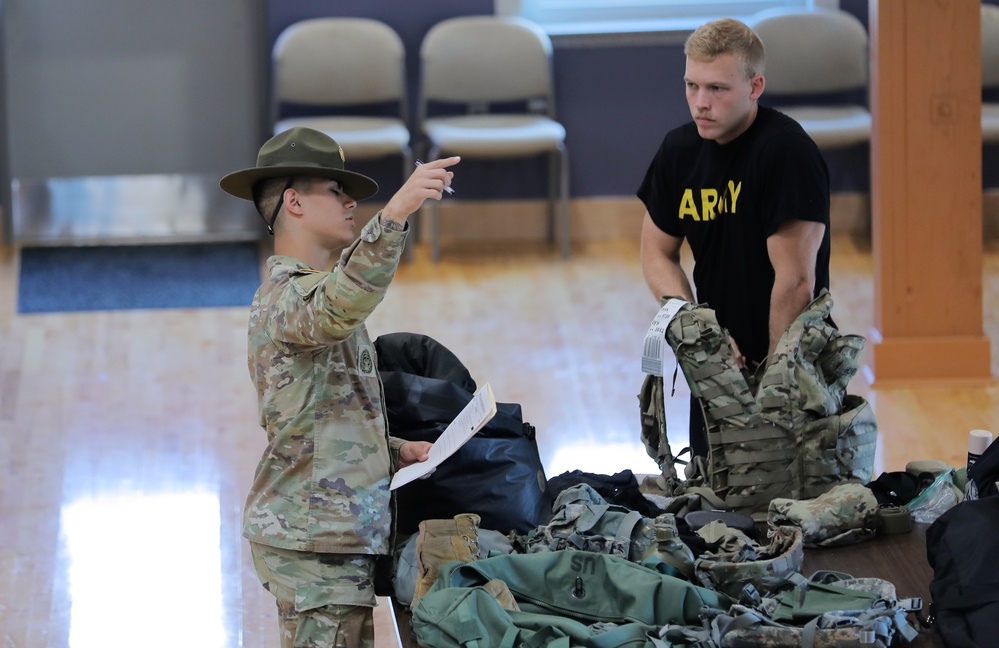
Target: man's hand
427 182
740 360
413 452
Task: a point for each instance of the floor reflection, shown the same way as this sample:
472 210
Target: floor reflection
144 568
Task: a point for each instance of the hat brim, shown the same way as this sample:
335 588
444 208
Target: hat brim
240 183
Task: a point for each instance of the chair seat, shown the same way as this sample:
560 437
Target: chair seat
833 126
990 122
363 138
495 135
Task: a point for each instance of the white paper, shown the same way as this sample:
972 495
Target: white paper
470 420
654 350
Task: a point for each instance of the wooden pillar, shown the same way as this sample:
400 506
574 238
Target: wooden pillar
926 184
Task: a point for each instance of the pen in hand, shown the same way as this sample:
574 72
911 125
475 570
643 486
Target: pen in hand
446 188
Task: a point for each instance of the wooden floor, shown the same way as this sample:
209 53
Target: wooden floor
128 439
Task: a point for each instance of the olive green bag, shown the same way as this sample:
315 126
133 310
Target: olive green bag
561 599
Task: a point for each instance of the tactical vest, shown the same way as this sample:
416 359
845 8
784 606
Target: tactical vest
789 430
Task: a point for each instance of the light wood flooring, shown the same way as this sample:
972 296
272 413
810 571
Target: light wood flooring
128 439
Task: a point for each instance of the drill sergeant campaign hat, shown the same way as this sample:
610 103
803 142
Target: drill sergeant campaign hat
299 152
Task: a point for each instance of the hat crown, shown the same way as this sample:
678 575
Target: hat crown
297 147
299 151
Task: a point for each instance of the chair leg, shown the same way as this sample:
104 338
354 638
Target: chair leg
414 219
564 200
435 231
554 171
433 152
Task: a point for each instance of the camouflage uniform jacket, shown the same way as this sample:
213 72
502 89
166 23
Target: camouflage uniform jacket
322 483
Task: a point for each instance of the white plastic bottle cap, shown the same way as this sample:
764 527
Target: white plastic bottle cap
978 440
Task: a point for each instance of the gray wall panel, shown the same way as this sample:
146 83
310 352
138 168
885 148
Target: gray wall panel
122 87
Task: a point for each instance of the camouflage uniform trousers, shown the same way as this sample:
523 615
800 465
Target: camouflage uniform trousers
323 600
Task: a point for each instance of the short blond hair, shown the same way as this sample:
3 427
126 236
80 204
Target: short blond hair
727 36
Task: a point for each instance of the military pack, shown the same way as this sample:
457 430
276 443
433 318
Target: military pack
583 519
581 599
568 599
846 514
788 429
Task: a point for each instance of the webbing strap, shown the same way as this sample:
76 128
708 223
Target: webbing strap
510 637
690 330
772 402
718 413
763 496
857 440
760 478
468 631
698 374
724 624
714 391
771 378
808 633
735 435
759 456
627 527
708 495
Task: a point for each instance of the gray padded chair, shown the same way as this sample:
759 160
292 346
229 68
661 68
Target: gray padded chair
990 71
477 62
815 52
355 67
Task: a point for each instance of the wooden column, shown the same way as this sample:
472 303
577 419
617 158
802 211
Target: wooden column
926 165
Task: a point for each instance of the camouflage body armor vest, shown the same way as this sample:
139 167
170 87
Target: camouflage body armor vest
790 430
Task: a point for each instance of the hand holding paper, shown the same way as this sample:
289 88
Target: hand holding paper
477 413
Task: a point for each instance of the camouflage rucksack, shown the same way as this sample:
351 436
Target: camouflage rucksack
584 520
829 610
789 430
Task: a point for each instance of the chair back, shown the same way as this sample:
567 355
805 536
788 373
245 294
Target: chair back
339 62
812 51
483 59
990 45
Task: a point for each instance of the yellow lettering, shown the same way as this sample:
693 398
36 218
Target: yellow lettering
709 198
733 191
687 207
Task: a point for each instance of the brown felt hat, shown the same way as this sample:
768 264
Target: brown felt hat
299 152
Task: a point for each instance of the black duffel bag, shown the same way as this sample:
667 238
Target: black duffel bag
497 474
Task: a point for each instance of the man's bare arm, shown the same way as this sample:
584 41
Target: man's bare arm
661 263
792 249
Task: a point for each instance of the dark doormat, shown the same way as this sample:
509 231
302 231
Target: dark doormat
123 277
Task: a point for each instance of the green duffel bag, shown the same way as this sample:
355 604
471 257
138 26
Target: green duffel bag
562 599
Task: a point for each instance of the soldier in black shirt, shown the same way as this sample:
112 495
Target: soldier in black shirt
749 191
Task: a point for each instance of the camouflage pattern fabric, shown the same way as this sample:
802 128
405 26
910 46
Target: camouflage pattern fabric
748 563
584 520
787 430
323 600
654 435
322 483
846 514
833 612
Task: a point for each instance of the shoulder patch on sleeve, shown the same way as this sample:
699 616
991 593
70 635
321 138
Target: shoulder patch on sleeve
306 281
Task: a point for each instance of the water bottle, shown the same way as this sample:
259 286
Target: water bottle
978 440
670 549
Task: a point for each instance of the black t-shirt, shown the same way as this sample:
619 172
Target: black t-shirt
726 200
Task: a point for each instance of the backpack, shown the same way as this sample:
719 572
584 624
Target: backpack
828 610
789 430
582 519
960 547
983 476
497 474
564 599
